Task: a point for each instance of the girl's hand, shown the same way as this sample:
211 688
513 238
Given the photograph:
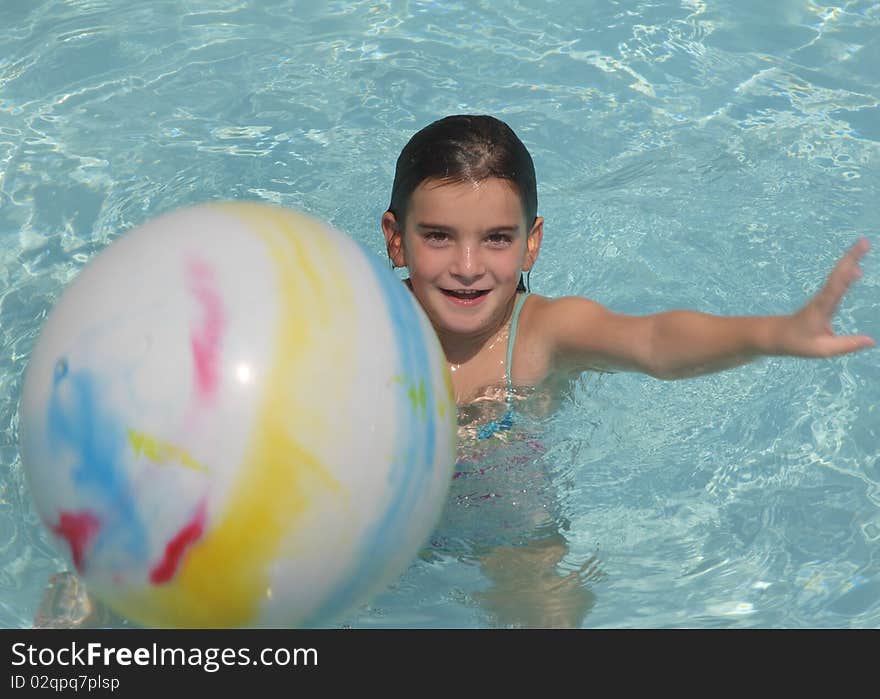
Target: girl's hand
808 332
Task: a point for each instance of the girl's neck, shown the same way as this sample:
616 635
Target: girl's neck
460 348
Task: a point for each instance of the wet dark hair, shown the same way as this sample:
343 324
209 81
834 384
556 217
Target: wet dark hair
464 148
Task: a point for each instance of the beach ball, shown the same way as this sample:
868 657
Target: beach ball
237 416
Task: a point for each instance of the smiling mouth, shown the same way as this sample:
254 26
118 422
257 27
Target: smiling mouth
465 294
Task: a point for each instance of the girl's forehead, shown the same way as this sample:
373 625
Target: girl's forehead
493 194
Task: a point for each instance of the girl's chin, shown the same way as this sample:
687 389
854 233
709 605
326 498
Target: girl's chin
450 324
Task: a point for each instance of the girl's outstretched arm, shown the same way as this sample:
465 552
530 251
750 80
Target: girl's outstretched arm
677 344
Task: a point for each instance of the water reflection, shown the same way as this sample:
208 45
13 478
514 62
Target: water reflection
506 515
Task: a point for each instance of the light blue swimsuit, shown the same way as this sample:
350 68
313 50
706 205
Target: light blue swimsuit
505 422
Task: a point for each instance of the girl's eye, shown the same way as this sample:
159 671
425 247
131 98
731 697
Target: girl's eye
436 237
499 238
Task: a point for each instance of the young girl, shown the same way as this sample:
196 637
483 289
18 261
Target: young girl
463 221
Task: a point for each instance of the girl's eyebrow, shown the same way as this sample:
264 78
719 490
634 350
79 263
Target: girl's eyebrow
435 227
449 229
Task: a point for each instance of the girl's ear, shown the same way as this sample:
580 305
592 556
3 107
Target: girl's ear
393 239
533 244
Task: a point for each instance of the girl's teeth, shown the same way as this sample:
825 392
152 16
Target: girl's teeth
465 294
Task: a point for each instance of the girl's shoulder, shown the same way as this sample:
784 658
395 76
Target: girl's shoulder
546 325
540 325
555 328
549 316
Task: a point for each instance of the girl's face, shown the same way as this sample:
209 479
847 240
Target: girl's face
465 245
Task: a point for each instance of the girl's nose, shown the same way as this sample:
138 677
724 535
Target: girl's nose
468 263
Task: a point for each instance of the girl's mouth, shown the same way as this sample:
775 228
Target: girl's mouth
466 297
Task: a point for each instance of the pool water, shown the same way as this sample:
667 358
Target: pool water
714 155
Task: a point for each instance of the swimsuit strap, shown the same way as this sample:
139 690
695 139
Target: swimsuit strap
505 422
514 321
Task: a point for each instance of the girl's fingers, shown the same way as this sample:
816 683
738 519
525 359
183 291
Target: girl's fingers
845 272
842 344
